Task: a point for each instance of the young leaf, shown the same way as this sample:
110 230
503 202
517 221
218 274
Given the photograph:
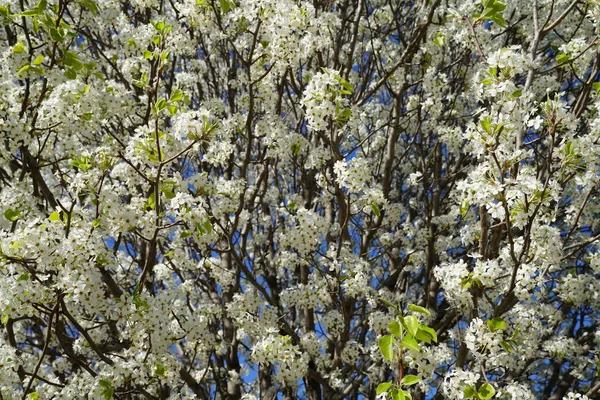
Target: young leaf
410 343
107 389
38 60
24 277
19 48
486 124
423 337
506 346
562 58
418 309
496 324
397 394
395 328
55 216
90 5
25 68
383 387
386 346
389 304
486 391
429 331
412 324
469 392
160 370
225 6
409 380
151 201
12 215
375 209
176 95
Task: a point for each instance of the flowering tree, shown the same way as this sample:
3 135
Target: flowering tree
243 199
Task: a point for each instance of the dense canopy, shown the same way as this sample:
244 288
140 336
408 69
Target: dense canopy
280 199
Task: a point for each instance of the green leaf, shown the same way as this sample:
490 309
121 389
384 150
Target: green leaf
418 309
38 60
469 392
383 387
86 116
295 149
464 207
160 370
84 162
387 303
596 86
409 380
397 394
107 389
517 93
57 35
410 343
225 6
55 216
5 318
151 201
204 228
412 324
139 302
487 12
90 5
506 346
346 85
207 227
499 20
12 215
72 60
423 337
70 73
24 277
496 324
19 48
375 209
498 6
31 13
486 391
176 95
562 58
24 69
467 282
168 192
386 346
395 328
486 124
429 331
439 39
161 104
33 395
148 54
